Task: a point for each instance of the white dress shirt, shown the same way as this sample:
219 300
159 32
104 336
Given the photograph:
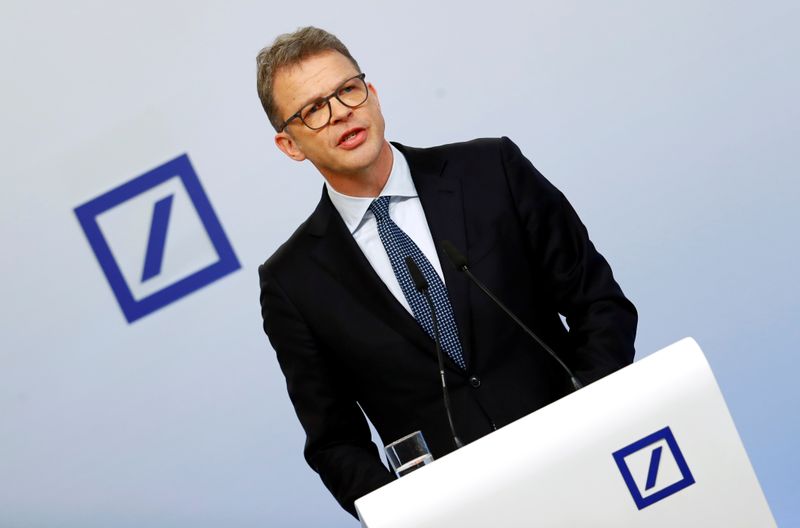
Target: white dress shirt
405 210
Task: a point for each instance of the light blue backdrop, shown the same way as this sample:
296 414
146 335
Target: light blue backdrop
672 127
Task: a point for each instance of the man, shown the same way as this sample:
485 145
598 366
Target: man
350 331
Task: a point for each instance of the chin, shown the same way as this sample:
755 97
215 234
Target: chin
363 157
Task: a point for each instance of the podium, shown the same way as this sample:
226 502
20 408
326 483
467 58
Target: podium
652 445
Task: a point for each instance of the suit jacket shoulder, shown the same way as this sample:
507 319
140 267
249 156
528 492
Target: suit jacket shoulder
297 244
422 158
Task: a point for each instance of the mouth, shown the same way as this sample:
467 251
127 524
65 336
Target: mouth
352 138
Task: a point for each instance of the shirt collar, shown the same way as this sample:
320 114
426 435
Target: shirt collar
353 209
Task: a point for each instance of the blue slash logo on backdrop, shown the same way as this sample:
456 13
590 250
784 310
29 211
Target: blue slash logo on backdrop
653 468
118 219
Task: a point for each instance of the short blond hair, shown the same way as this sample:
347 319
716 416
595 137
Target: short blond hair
287 50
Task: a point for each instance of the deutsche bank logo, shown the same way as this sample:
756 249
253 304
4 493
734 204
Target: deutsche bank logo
653 468
157 238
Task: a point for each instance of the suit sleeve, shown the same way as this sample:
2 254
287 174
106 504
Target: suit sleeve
602 321
338 441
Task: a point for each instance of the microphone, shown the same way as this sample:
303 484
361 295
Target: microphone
460 263
422 286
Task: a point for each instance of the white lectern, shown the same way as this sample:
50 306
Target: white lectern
652 445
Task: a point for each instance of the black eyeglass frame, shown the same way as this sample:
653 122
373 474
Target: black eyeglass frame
327 101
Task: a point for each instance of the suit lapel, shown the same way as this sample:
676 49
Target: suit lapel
442 200
338 253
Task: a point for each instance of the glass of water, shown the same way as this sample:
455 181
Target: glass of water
409 453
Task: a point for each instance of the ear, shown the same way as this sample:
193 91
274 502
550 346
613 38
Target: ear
374 94
289 146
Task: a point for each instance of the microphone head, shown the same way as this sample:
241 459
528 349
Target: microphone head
416 275
456 258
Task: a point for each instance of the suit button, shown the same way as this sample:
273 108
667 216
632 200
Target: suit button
475 381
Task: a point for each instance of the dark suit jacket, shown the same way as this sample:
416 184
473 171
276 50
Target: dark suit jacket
344 342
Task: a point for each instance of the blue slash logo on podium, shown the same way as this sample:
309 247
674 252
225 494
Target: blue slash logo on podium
157 238
653 468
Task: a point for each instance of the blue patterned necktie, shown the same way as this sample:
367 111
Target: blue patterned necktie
398 246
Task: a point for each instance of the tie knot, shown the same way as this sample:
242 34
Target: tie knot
380 207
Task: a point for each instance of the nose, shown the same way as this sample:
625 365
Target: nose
339 112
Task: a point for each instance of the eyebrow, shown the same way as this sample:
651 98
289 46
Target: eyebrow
319 97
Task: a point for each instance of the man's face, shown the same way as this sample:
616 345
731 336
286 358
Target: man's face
349 147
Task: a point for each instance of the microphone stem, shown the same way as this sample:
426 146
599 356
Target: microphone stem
440 358
575 382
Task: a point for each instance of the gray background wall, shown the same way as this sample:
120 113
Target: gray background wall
671 126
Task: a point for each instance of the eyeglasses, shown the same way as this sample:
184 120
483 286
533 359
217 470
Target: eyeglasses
317 114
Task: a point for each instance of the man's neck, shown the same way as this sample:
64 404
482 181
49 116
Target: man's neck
370 183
